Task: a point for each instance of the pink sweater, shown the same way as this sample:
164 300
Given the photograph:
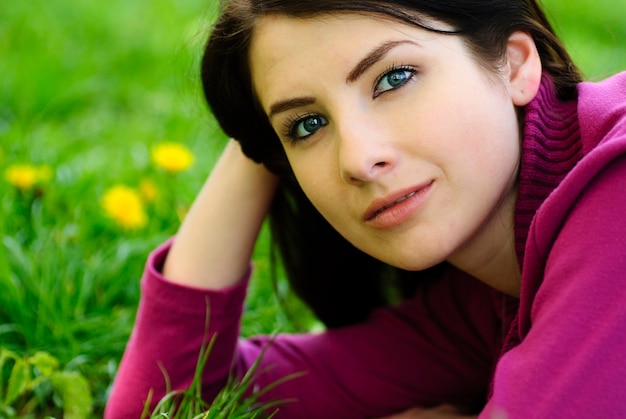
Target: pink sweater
561 354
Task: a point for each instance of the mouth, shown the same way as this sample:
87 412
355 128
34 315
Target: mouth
381 205
397 201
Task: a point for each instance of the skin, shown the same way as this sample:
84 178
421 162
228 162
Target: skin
214 243
361 130
380 136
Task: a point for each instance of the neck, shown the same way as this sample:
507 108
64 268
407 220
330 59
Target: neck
550 148
490 256
501 269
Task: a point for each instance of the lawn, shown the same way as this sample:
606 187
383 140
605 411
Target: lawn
89 93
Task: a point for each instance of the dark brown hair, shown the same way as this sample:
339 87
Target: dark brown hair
340 283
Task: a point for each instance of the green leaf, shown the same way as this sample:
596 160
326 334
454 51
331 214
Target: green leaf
45 363
5 356
75 394
7 412
19 381
16 253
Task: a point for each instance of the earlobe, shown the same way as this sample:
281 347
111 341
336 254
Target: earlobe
524 68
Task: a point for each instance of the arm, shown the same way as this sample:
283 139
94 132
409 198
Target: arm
572 361
436 348
214 244
208 262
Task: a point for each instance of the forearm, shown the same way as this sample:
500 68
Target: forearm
215 241
167 337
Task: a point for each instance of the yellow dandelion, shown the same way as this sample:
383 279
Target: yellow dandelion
26 176
124 206
22 176
173 157
148 190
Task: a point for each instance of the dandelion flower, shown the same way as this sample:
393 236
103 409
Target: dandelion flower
148 190
124 206
25 176
173 157
22 176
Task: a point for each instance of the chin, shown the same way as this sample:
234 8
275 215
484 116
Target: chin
410 264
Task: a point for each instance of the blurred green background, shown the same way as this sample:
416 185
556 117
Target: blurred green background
87 89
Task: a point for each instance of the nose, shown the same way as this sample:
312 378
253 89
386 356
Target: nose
365 152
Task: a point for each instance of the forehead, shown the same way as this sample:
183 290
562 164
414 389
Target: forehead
283 47
277 37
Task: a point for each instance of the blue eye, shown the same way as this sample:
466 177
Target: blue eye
393 79
306 126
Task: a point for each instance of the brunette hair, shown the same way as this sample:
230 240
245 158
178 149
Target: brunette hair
338 282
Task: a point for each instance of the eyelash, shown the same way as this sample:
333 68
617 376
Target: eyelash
292 123
393 69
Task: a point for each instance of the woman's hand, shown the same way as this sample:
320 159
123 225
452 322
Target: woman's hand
440 412
214 244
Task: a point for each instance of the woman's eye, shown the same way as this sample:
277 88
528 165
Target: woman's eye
393 79
306 126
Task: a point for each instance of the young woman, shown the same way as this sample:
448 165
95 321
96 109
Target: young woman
448 149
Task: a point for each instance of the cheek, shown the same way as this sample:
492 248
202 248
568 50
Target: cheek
468 142
313 177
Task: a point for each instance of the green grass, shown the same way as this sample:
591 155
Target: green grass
87 88
594 32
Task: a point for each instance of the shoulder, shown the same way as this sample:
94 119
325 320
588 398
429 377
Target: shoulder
602 119
576 247
600 171
576 240
602 111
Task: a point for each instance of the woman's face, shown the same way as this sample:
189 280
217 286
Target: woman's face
401 140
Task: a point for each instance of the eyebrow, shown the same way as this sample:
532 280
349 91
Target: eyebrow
285 105
362 66
373 57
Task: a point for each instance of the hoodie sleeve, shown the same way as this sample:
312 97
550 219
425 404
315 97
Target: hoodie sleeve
571 361
436 348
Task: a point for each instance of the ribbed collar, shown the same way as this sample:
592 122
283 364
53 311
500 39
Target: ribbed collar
551 147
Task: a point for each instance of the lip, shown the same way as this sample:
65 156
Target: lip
395 208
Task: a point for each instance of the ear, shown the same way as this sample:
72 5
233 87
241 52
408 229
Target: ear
523 68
